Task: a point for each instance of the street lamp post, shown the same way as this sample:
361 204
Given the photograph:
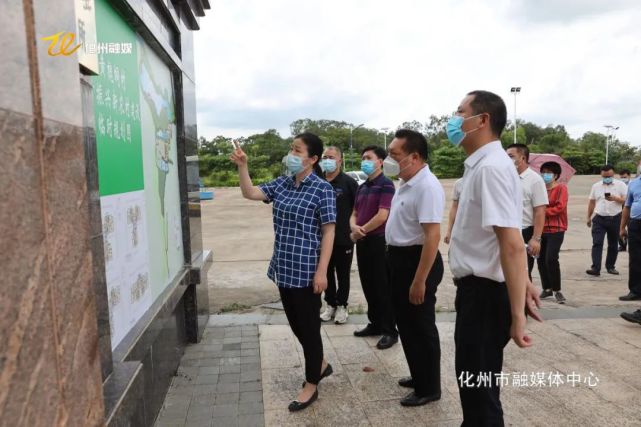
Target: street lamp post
384 132
515 90
351 147
608 137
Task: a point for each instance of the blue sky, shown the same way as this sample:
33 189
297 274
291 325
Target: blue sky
264 63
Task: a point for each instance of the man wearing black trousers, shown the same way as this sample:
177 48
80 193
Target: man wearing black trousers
535 200
368 221
630 228
604 216
413 233
487 258
340 264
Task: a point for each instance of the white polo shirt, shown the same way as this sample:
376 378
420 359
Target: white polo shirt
604 207
456 193
421 200
491 196
534 194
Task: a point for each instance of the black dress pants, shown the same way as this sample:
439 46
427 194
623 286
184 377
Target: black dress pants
301 307
634 249
548 261
374 275
602 226
483 320
527 234
417 323
339 269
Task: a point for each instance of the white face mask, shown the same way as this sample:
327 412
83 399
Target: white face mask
391 167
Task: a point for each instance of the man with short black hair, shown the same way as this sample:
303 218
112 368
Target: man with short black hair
535 200
487 258
624 176
606 203
368 222
413 234
340 264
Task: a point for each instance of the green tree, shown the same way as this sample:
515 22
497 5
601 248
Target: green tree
266 150
507 137
447 161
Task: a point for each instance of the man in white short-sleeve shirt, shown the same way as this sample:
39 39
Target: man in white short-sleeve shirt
535 200
487 258
606 204
413 233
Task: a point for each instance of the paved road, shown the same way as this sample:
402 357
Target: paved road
241 236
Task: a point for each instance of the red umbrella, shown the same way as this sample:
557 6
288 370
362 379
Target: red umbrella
567 171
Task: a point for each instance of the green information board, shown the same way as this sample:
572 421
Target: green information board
117 105
135 123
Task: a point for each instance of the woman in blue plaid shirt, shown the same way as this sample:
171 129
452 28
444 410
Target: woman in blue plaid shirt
304 209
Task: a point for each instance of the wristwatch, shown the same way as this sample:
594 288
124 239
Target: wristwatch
538 239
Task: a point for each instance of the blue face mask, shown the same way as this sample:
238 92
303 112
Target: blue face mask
608 180
454 129
294 164
548 178
368 167
328 165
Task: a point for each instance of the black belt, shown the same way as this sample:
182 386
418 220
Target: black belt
475 281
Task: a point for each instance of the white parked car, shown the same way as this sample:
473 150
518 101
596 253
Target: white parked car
359 176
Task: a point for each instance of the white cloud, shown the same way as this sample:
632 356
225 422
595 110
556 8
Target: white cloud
263 64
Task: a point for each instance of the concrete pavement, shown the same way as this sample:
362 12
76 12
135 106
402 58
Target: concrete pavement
583 368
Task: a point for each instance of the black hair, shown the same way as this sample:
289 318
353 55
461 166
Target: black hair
415 142
335 148
624 172
492 104
607 168
553 167
314 148
378 151
522 149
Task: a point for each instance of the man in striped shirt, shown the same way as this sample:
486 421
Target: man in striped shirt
373 202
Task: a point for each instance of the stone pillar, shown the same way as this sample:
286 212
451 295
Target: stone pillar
50 370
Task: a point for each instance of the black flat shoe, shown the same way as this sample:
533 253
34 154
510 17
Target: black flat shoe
367 331
593 272
295 405
613 271
326 373
386 342
406 382
413 400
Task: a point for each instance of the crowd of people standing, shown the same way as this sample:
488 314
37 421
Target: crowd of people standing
503 218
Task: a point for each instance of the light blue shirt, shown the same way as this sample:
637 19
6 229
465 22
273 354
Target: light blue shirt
633 201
